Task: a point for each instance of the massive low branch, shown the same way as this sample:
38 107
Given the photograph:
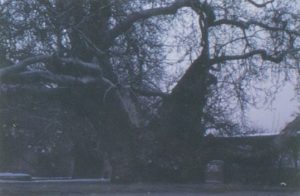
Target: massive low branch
150 93
47 76
22 64
145 14
21 88
84 65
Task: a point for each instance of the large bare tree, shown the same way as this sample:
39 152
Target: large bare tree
106 62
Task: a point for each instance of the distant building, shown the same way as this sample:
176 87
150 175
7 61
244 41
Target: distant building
290 143
263 159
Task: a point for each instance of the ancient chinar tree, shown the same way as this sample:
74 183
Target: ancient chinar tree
95 72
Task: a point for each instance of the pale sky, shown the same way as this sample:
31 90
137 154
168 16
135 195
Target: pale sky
285 106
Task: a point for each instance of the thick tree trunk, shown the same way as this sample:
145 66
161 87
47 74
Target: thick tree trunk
184 107
178 129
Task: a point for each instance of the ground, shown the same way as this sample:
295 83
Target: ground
94 187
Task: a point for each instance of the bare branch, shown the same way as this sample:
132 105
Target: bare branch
98 51
82 64
70 79
263 54
145 14
91 66
260 5
150 93
246 24
19 88
22 64
47 76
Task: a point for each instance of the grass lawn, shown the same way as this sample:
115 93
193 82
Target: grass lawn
94 187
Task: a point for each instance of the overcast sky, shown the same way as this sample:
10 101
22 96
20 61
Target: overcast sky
284 109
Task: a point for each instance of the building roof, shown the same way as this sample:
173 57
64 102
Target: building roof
292 128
